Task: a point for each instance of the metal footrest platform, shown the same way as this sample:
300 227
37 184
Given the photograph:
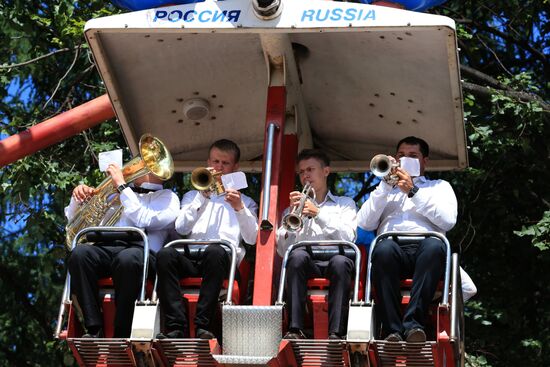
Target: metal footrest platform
186 352
326 353
401 354
102 351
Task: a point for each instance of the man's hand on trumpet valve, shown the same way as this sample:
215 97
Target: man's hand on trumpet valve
295 197
392 178
82 192
310 209
233 197
405 182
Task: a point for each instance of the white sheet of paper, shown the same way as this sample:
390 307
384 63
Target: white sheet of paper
411 165
235 180
106 158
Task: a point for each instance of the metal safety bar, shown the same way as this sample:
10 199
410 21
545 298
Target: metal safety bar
226 243
454 295
66 296
65 300
411 236
321 243
265 223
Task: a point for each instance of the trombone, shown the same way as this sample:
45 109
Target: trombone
207 179
293 221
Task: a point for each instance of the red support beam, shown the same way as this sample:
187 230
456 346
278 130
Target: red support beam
56 129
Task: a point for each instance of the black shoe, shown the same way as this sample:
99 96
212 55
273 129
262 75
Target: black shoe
204 334
335 336
394 338
93 333
174 334
295 334
415 335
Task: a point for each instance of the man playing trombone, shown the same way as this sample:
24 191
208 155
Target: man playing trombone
319 216
205 215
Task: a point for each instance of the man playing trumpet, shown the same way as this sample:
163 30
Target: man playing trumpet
411 203
204 216
324 217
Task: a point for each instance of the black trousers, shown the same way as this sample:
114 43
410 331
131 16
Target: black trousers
424 262
172 266
124 263
339 270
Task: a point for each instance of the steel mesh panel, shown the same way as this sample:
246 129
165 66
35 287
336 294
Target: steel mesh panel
253 331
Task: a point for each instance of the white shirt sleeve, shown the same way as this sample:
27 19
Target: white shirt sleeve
248 221
371 211
161 211
71 209
343 226
438 204
469 289
191 205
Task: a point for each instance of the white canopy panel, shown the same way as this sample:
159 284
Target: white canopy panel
365 77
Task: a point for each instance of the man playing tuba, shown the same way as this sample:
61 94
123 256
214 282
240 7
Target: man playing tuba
325 217
147 206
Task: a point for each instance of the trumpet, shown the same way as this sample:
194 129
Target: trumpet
382 166
293 221
204 179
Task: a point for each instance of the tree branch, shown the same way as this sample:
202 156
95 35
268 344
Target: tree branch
481 76
520 96
520 42
77 53
36 59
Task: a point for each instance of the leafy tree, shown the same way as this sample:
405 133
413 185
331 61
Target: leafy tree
45 69
504 198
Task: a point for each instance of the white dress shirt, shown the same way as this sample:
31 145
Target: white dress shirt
209 219
432 208
337 220
155 212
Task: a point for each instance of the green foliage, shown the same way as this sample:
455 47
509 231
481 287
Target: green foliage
34 190
539 231
504 196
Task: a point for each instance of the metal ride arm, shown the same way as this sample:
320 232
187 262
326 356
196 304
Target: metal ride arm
228 244
66 297
321 243
412 236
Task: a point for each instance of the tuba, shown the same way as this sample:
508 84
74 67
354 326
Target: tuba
382 166
104 207
293 221
204 179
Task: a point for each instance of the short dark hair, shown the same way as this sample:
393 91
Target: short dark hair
413 140
314 153
226 145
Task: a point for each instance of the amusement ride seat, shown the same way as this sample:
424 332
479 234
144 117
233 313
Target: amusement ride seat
191 285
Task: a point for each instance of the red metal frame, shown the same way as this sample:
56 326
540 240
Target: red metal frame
56 129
